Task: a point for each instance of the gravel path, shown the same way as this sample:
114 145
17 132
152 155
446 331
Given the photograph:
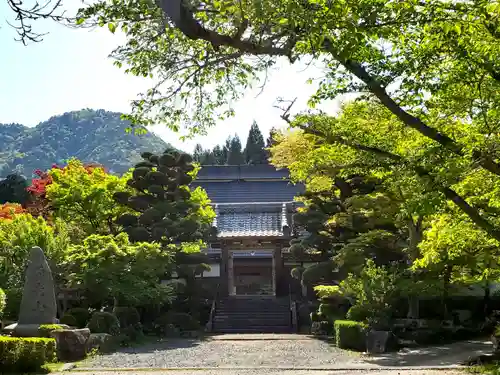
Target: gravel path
277 372
301 353
267 353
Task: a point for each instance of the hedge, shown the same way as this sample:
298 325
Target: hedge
80 314
45 329
104 322
350 334
19 354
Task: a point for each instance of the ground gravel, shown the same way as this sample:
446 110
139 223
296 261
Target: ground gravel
184 353
280 372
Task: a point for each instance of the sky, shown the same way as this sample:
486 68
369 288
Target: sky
70 70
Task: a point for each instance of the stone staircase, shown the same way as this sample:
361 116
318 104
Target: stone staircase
260 314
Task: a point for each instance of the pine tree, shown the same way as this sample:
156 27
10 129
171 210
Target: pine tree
235 154
254 150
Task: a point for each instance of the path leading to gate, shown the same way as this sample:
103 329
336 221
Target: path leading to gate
273 354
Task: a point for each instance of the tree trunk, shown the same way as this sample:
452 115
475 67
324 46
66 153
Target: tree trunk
446 289
415 237
487 299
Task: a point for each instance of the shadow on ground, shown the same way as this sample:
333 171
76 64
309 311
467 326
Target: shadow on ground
455 354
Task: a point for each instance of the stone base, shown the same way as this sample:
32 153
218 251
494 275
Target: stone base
25 330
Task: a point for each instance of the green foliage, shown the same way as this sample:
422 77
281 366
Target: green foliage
255 152
104 322
69 320
80 314
127 316
373 293
172 319
20 355
3 302
95 136
19 235
84 195
110 267
45 329
350 334
235 154
13 189
168 212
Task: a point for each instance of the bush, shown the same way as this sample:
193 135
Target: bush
3 301
350 335
25 354
104 322
127 316
81 315
13 303
171 320
130 322
45 329
69 320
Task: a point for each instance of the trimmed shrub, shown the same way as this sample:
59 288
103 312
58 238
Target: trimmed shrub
3 302
104 322
350 334
174 320
69 320
25 354
127 316
130 322
81 315
45 329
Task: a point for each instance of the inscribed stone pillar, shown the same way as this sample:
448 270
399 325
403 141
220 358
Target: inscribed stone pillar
38 304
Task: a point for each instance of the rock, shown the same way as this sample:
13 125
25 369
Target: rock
103 342
376 341
38 304
71 343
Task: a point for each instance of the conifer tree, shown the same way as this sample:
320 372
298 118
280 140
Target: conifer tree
198 153
219 155
235 154
254 150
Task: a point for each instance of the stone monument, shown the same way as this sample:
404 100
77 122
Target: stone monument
38 304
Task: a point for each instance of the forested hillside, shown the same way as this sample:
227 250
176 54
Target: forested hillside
90 135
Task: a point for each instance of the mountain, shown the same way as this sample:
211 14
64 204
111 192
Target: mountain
90 135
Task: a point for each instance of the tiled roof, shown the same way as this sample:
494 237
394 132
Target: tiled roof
241 172
250 191
250 221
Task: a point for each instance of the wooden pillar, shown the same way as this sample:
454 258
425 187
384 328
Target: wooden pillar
224 287
230 274
278 271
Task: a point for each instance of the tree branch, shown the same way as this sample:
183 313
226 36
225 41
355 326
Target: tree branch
472 212
411 121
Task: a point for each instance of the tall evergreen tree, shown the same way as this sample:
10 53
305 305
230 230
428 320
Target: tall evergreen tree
235 154
254 150
208 158
270 142
198 153
219 155
225 149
